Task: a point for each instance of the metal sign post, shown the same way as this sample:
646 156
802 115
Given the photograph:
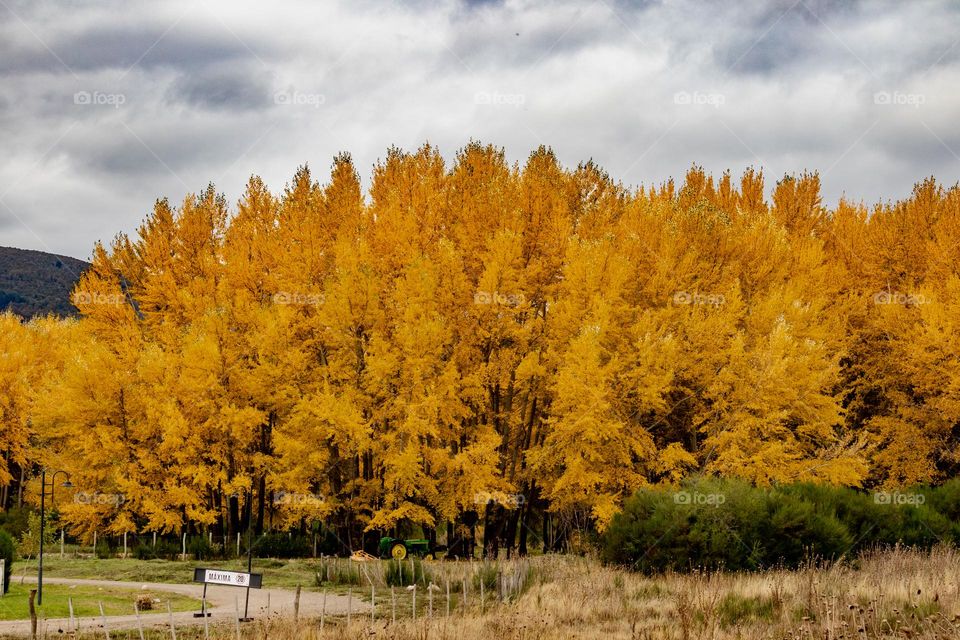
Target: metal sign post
203 604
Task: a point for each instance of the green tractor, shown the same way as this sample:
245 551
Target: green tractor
398 549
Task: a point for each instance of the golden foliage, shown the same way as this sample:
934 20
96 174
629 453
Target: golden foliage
482 329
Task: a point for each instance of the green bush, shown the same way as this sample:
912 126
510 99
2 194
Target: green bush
201 549
710 523
103 550
8 552
705 524
144 551
927 519
337 571
29 545
164 550
487 574
402 573
282 545
794 529
15 521
735 609
328 544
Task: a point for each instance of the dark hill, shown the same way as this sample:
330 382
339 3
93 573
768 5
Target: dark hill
33 283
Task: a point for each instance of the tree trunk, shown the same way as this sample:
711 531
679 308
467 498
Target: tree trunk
510 538
486 528
546 532
20 489
524 527
473 538
261 504
234 516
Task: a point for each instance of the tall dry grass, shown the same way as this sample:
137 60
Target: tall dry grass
898 593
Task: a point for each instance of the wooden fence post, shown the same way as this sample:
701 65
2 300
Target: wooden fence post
173 629
296 605
236 606
33 614
103 621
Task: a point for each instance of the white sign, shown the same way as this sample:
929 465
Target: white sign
232 578
229 578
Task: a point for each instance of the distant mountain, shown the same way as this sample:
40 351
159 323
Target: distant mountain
34 283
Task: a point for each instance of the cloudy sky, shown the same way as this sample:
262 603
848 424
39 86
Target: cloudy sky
106 105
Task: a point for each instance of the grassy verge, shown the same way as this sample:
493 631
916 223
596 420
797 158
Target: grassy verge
887 595
276 573
86 601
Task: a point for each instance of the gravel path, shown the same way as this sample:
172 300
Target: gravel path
222 603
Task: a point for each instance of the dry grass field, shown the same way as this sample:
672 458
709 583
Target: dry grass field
891 594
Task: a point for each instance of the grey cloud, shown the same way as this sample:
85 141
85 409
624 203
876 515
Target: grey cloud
812 12
598 80
934 144
146 46
493 39
7 221
775 41
473 4
223 88
146 148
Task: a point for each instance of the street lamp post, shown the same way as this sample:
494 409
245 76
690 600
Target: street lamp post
246 604
43 496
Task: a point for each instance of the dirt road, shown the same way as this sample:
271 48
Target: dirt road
222 602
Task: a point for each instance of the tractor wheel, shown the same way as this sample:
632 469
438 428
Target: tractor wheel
428 556
398 551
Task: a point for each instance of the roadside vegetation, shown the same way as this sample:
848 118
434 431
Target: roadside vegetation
898 593
86 601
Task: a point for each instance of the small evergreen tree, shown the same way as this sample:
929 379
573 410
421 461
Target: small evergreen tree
8 552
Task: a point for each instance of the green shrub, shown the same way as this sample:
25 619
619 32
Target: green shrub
29 545
15 521
794 529
8 552
168 549
402 573
487 574
282 545
734 609
201 548
328 542
103 550
144 551
706 524
944 499
710 523
337 571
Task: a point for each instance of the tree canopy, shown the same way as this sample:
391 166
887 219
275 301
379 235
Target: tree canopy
483 340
